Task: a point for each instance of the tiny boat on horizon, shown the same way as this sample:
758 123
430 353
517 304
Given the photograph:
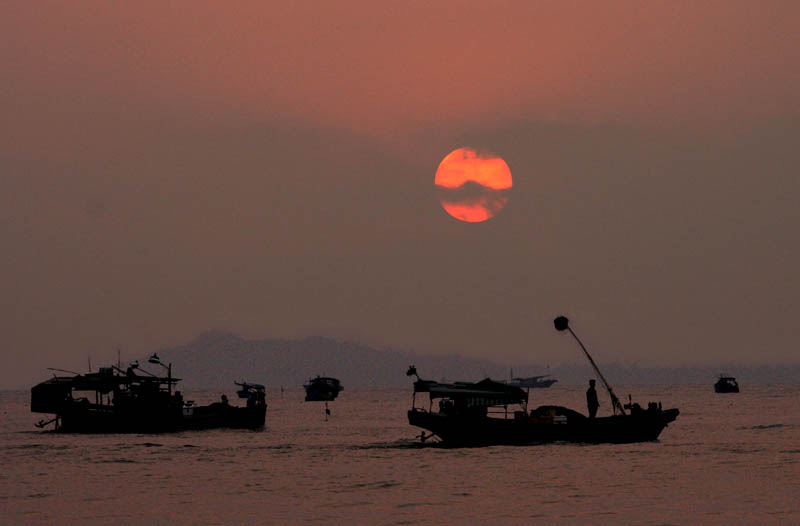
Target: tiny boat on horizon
532 382
726 384
322 389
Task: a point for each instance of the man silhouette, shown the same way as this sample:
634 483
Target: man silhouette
591 400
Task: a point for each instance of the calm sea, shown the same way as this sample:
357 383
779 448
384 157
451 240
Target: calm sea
728 459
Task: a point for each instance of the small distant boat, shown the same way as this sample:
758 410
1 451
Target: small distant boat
116 401
532 382
726 384
322 389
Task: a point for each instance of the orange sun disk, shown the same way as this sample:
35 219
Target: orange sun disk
473 187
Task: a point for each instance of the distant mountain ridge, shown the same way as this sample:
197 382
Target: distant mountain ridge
217 358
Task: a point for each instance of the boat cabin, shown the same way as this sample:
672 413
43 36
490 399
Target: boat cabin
101 391
471 399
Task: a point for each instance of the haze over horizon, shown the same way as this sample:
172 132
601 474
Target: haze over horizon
268 169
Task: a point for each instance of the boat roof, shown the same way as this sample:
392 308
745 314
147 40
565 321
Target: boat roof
250 385
530 377
327 379
103 381
498 393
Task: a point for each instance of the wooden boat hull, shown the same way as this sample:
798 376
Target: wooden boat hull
103 419
465 430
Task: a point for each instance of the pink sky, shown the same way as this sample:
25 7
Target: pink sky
267 168
391 68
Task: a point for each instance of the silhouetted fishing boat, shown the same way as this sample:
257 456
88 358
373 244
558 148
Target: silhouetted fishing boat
489 413
322 389
116 401
726 384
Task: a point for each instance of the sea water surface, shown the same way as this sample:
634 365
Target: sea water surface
727 459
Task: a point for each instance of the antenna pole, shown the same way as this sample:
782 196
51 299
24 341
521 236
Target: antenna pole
562 324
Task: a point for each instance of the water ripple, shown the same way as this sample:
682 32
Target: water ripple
762 426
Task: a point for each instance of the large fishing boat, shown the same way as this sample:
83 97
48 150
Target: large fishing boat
322 389
136 401
492 413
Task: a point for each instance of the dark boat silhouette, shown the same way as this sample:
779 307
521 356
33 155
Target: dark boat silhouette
532 382
116 401
322 389
726 384
494 413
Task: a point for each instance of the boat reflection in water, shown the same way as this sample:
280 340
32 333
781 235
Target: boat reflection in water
113 401
488 413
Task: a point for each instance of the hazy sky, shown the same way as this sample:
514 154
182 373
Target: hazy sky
267 168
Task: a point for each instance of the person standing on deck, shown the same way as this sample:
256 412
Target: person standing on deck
591 400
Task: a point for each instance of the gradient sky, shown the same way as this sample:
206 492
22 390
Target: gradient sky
267 168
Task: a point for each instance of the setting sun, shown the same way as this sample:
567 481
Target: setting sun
473 186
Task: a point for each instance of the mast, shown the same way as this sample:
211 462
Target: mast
562 324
